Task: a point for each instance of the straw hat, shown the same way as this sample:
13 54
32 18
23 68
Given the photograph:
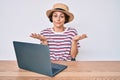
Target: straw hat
62 8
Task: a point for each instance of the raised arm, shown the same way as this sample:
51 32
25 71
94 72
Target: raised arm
74 47
39 37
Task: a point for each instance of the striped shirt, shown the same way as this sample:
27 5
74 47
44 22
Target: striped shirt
59 43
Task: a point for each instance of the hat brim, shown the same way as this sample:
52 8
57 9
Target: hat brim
71 17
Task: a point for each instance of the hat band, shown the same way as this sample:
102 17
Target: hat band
59 9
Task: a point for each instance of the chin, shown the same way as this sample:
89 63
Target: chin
58 26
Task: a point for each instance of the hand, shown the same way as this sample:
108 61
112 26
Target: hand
79 37
38 36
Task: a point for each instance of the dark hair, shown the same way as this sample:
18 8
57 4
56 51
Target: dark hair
66 17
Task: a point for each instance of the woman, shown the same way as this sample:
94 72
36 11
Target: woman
62 41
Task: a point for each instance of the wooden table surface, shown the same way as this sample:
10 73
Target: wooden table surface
79 70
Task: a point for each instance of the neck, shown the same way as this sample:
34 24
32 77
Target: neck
58 29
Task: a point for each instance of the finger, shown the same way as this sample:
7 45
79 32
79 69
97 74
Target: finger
84 35
38 36
32 35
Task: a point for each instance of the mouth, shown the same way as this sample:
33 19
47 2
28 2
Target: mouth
58 22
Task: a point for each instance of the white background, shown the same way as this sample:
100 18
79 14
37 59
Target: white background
99 19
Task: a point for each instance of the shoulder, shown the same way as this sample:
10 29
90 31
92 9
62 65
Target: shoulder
47 31
71 29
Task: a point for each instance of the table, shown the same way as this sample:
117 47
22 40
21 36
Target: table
79 70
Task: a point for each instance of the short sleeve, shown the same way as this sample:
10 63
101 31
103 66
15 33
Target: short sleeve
73 32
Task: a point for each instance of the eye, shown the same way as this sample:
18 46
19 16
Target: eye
54 15
62 16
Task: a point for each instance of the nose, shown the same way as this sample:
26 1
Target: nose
58 18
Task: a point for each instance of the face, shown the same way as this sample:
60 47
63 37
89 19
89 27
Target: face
58 19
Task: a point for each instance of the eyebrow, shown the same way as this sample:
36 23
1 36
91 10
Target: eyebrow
56 13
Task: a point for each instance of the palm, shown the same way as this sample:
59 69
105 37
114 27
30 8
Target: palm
79 37
38 36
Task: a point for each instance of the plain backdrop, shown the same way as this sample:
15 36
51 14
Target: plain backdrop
99 19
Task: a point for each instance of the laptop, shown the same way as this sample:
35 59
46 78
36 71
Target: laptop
36 58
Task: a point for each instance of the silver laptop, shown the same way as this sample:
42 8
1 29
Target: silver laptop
36 58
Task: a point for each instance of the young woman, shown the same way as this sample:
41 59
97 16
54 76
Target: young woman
62 41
